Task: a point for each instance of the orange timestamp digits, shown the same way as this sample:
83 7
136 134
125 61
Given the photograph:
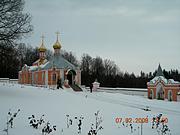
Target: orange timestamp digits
162 120
131 120
139 120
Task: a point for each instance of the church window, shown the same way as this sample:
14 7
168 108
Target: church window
54 77
32 78
170 95
36 77
42 75
151 95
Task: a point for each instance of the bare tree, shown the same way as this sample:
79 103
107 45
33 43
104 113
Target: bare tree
98 67
69 56
13 22
110 68
86 64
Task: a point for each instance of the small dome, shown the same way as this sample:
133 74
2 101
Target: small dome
42 48
57 45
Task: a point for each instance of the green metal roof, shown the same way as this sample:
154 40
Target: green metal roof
59 62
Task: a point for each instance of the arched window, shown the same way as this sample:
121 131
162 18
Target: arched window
36 77
33 78
170 95
43 77
151 95
54 77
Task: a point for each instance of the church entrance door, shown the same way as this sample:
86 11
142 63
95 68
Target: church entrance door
160 92
71 77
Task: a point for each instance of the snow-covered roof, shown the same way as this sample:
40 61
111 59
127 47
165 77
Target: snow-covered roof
158 78
96 83
162 78
33 68
43 62
43 65
173 82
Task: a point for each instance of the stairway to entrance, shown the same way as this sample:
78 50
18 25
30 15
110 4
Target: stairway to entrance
75 87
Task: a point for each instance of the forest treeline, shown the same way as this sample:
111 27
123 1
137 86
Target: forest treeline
104 70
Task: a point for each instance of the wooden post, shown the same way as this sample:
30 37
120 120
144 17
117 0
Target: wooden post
141 129
7 126
138 130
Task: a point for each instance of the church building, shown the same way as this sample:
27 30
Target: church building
164 89
45 72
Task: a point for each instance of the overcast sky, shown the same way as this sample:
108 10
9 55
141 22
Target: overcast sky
136 34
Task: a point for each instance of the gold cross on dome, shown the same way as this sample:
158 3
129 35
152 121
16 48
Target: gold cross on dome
42 37
57 33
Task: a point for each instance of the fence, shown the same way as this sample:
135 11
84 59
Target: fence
8 80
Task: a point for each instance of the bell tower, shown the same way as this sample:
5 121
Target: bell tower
42 50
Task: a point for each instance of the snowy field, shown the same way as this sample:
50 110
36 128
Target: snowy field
57 104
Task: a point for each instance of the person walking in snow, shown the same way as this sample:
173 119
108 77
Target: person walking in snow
59 85
131 128
91 88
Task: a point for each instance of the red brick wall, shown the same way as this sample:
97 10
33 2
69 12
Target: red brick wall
50 73
174 90
154 91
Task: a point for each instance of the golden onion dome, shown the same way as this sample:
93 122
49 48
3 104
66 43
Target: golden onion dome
57 45
42 48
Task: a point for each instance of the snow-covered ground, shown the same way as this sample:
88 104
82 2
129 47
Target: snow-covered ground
127 91
56 104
